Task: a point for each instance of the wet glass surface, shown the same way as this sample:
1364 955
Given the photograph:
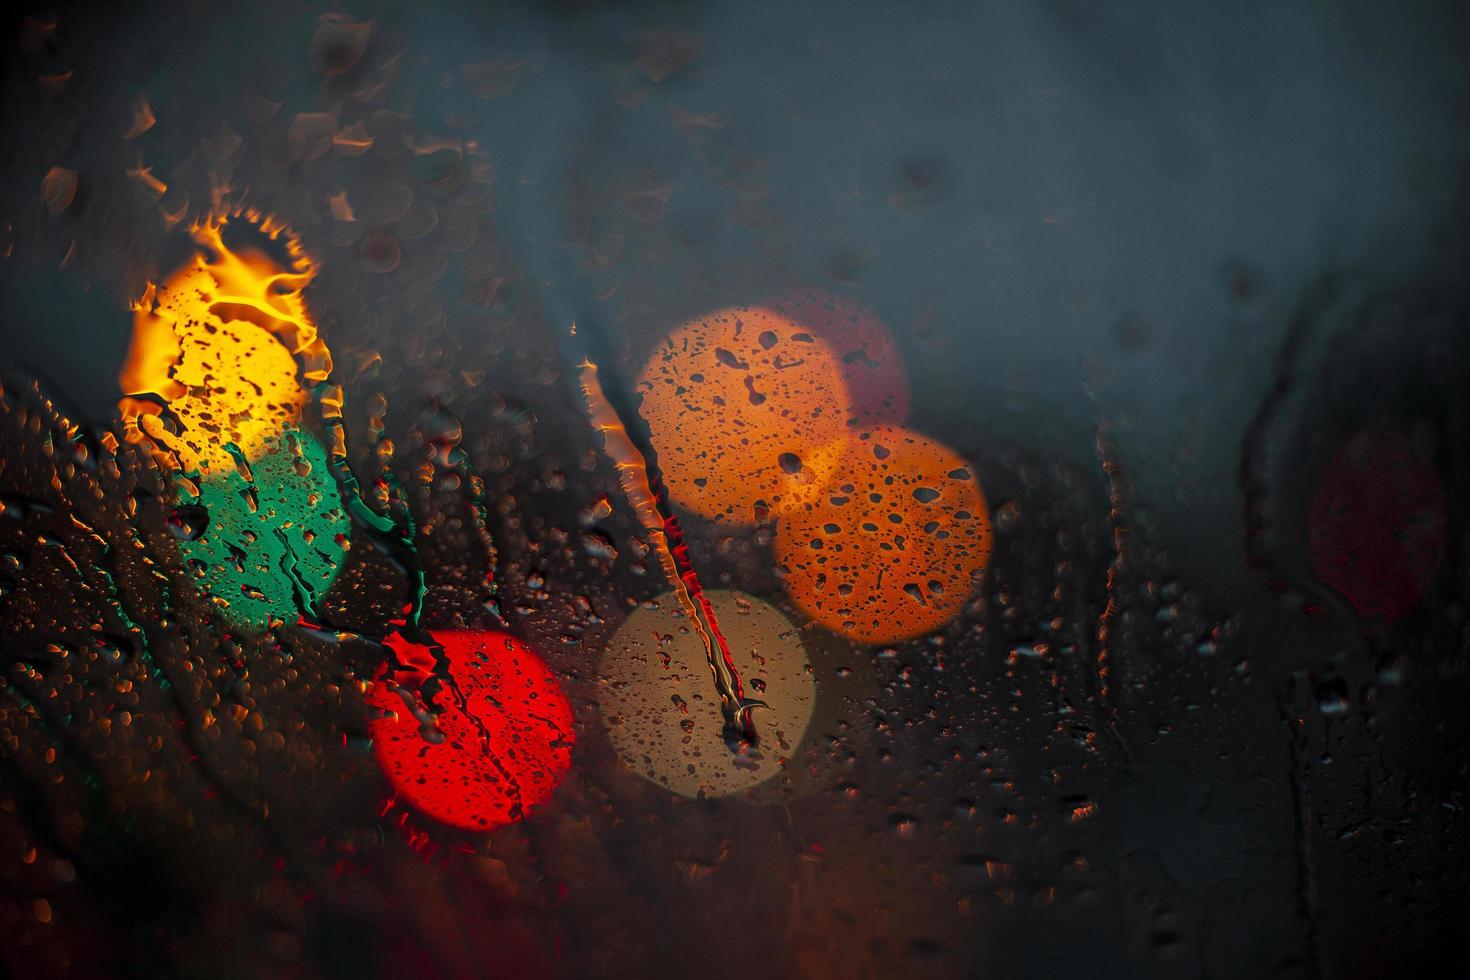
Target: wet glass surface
586 489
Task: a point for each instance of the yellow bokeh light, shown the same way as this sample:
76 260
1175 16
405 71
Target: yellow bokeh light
220 350
661 710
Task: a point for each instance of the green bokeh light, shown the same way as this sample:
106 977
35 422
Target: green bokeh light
278 558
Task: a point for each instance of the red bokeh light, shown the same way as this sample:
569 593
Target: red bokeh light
1377 524
506 729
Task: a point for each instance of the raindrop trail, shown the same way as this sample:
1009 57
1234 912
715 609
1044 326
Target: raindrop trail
1116 478
1252 471
396 533
643 484
459 458
1308 904
399 534
449 452
1118 497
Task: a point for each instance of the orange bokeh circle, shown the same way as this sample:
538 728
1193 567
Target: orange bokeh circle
499 747
743 405
888 549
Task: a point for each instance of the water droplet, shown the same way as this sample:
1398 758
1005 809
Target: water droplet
187 522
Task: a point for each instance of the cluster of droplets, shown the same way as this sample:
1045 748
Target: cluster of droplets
792 411
225 358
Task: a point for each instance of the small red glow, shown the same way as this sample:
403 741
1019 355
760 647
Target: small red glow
872 367
506 729
1377 524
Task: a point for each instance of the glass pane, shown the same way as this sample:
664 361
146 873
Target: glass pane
576 489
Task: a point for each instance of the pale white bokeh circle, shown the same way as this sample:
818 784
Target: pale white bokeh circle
659 702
